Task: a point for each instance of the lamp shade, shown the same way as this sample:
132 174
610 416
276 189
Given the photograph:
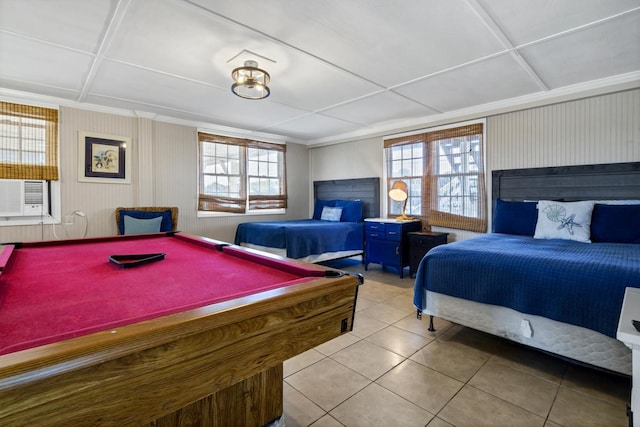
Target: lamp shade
399 191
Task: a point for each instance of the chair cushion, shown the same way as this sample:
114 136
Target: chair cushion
165 225
139 226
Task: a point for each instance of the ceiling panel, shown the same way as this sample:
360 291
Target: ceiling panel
338 68
482 82
72 23
524 21
26 60
312 126
177 38
379 108
607 49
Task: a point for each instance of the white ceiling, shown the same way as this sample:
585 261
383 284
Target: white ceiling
338 67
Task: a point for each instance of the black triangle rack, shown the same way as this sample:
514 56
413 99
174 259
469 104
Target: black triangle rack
135 260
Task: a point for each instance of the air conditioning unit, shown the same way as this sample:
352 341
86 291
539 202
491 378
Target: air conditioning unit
23 198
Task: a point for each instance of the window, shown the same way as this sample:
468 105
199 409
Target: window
239 175
28 142
444 172
406 162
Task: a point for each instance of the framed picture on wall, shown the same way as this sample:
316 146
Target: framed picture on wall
104 158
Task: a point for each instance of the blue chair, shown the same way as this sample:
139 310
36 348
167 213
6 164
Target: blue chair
140 220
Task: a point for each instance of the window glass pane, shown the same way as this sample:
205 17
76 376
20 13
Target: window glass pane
395 207
233 166
234 186
406 151
416 167
396 153
9 156
9 131
396 169
221 150
33 158
33 145
263 169
208 149
252 168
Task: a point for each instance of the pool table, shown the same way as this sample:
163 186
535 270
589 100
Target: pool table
158 329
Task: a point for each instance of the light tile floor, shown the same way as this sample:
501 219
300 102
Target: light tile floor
390 371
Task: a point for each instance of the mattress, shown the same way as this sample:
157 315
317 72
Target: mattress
573 342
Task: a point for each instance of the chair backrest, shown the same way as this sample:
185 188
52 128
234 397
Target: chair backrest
147 219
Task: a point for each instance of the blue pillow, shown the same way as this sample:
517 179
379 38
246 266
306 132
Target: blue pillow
351 210
517 218
615 224
139 226
166 224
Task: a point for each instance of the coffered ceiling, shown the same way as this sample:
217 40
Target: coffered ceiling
338 68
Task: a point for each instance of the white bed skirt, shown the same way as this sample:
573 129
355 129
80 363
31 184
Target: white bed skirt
566 340
311 258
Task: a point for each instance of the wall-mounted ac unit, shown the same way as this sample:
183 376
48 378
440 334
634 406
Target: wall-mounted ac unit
23 198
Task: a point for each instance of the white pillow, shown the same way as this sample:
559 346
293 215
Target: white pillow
564 220
331 214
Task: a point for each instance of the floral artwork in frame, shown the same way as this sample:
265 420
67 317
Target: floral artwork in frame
104 158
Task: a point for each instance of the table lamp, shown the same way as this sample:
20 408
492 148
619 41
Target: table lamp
400 193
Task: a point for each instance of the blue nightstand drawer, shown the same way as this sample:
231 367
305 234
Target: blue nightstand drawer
374 227
375 235
386 242
393 232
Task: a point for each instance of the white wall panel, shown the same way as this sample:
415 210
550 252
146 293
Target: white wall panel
603 129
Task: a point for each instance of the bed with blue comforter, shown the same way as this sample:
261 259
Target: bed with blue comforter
572 282
558 287
336 228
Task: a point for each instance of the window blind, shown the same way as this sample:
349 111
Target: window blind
28 142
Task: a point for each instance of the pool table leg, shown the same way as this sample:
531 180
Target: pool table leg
256 401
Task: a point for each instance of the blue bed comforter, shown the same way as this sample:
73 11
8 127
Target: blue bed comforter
303 237
577 283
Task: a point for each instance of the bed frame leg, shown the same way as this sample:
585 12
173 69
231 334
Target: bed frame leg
419 314
431 328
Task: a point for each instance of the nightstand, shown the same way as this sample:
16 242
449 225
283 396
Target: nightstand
385 242
419 244
631 338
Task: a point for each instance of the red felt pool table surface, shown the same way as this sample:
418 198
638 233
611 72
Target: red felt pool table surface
196 338
59 290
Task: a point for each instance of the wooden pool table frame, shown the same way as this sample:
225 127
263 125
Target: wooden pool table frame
218 365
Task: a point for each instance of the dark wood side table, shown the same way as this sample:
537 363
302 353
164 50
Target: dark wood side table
420 242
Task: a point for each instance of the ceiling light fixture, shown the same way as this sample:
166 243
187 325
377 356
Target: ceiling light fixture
250 81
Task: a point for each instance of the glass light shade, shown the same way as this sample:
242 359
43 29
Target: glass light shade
250 81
